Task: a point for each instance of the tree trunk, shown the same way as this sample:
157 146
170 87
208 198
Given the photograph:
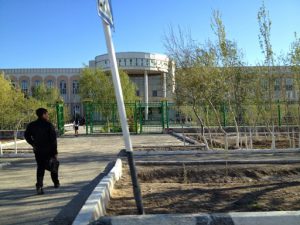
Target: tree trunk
273 146
217 116
202 127
251 140
237 140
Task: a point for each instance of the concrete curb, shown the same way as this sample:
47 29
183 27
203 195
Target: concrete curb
2 165
187 139
229 152
18 155
12 143
235 218
204 162
95 205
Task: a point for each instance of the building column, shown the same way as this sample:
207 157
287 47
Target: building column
164 88
69 89
146 94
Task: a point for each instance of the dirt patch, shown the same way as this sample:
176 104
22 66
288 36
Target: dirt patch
194 189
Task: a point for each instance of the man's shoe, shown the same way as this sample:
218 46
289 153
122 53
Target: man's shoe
57 185
39 190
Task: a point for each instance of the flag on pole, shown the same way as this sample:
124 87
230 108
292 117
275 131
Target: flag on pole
105 12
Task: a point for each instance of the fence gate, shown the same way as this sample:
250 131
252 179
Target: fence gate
60 118
104 117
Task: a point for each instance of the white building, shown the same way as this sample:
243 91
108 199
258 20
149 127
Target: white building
150 72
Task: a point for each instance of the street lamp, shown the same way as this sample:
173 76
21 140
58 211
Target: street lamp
105 12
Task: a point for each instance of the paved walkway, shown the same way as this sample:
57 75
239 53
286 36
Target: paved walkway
82 160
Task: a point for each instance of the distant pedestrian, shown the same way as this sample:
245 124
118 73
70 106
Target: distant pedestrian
76 126
42 136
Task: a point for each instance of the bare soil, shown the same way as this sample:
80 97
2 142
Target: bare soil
210 188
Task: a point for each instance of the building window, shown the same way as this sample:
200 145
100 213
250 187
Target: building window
130 62
24 86
154 93
75 87
137 92
37 83
264 83
277 85
63 87
76 110
49 83
289 84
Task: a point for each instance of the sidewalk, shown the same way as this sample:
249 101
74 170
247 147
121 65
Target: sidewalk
82 159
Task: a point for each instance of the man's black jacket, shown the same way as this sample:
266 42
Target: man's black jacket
42 136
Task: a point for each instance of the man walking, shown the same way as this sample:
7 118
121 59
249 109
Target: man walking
42 136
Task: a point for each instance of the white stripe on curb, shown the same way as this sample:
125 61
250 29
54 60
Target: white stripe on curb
12 143
235 218
2 165
96 204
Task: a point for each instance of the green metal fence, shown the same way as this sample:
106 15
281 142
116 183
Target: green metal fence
277 114
103 117
60 118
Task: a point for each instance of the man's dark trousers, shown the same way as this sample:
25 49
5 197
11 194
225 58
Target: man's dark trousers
42 165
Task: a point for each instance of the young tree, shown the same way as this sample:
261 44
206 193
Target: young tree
264 37
294 61
15 108
97 85
230 60
197 79
45 94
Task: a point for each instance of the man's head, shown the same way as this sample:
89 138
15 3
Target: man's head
42 113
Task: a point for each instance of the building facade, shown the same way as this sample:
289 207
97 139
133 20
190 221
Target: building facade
152 73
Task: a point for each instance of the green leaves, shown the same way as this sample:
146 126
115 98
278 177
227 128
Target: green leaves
15 108
97 85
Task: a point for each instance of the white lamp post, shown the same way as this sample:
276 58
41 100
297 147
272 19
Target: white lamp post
105 12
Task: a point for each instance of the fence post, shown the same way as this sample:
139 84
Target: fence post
279 113
87 109
167 113
162 115
113 117
135 118
91 112
86 118
60 118
140 116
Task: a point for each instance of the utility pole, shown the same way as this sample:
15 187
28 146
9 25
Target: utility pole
105 12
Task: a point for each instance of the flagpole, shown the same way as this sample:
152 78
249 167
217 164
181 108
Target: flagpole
123 118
